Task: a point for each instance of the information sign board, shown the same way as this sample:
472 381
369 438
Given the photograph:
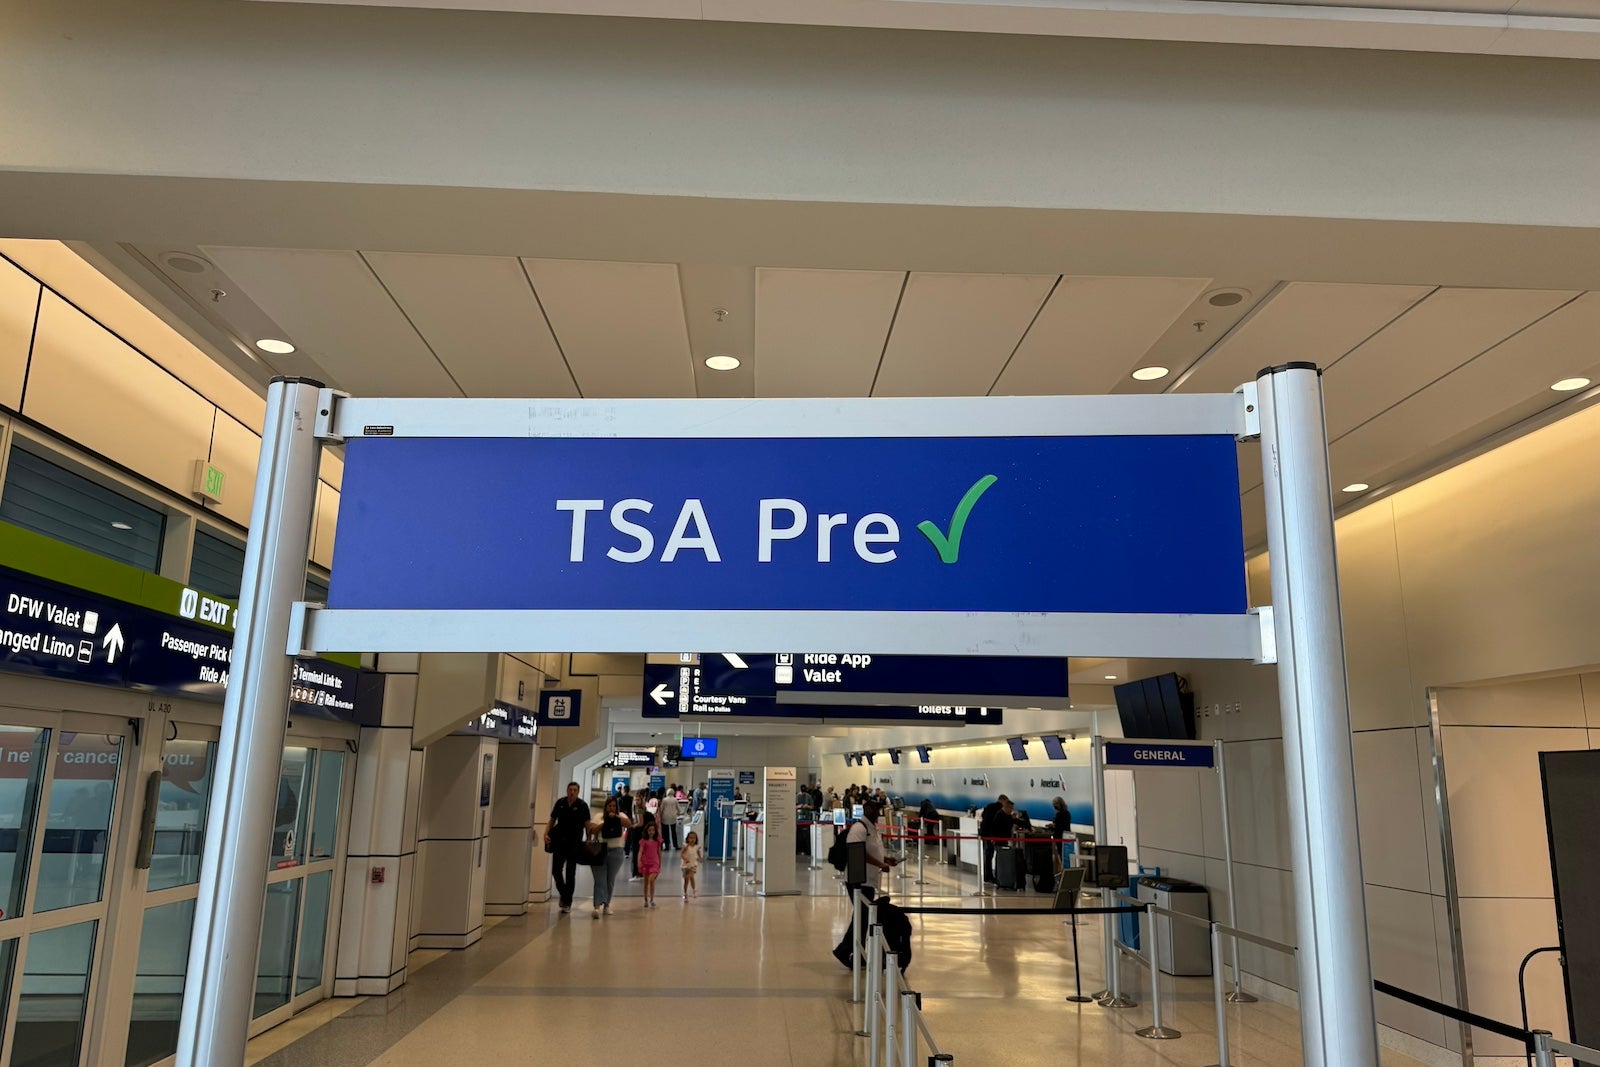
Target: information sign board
1158 754
671 691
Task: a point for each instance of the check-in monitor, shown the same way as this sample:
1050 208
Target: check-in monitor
1053 747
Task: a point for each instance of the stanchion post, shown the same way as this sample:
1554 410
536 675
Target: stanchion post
1238 996
1338 1021
1220 996
1155 1031
874 977
891 996
858 913
232 893
908 1028
1077 969
922 837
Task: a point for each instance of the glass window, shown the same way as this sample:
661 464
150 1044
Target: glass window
181 812
50 499
313 932
325 819
158 984
316 590
22 752
8 966
274 969
294 793
55 993
72 867
217 565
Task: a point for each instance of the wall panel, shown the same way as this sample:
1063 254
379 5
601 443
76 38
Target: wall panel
1393 852
236 450
90 387
19 299
327 520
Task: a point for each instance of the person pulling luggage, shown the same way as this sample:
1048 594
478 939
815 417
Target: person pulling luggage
864 831
996 822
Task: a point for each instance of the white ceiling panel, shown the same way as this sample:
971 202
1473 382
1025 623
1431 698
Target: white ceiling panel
1496 387
719 303
621 325
954 332
1439 334
822 332
1093 332
1313 321
480 317
335 310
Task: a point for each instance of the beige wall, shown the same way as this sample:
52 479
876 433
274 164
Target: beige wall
83 359
1486 571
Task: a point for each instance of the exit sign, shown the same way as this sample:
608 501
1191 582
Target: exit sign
208 481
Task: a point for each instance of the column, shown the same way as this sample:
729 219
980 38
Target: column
515 834
453 841
547 786
375 915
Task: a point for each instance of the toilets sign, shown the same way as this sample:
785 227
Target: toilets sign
990 507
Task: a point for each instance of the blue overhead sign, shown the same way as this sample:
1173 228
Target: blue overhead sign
671 691
560 707
1158 754
951 524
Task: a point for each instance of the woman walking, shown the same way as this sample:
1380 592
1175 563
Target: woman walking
610 829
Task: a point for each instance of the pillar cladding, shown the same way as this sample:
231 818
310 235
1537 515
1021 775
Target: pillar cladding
458 782
514 831
375 917
547 785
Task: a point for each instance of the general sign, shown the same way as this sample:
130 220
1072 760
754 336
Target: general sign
1158 754
863 678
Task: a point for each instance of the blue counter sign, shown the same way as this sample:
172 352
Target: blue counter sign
1158 754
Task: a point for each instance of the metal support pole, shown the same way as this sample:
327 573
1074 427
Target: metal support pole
1338 1024
874 978
922 837
891 997
1155 1031
1097 774
1077 969
727 833
1238 996
1543 1054
1219 996
858 914
908 1028
233 886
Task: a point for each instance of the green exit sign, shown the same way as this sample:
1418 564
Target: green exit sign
208 481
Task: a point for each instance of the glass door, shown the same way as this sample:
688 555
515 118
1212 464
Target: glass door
303 879
59 779
188 755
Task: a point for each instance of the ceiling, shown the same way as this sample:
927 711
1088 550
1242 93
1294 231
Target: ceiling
1414 374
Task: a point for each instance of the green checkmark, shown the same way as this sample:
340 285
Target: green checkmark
949 545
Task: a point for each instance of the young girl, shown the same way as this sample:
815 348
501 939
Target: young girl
650 861
690 854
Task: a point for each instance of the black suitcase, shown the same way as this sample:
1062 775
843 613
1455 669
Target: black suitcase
1042 865
1010 868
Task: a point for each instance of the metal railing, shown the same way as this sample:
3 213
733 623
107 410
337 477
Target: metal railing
891 1013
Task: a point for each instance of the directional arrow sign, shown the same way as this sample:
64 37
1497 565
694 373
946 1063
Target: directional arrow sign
696 698
112 643
661 694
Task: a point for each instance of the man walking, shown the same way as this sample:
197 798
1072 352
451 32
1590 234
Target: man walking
864 831
562 836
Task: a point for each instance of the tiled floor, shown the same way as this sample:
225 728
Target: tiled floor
737 979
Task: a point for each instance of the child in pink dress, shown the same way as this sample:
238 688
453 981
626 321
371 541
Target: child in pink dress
650 861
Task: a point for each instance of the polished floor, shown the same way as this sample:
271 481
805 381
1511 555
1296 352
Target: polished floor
737 979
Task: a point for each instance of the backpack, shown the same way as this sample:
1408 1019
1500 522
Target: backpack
839 851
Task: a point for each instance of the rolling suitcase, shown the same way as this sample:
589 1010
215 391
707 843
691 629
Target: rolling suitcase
1010 867
1042 864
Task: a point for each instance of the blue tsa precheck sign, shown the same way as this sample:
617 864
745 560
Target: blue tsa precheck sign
1030 526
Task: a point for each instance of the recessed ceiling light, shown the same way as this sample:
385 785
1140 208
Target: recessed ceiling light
1357 487
1567 385
120 525
275 346
1150 374
723 362
1111 677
